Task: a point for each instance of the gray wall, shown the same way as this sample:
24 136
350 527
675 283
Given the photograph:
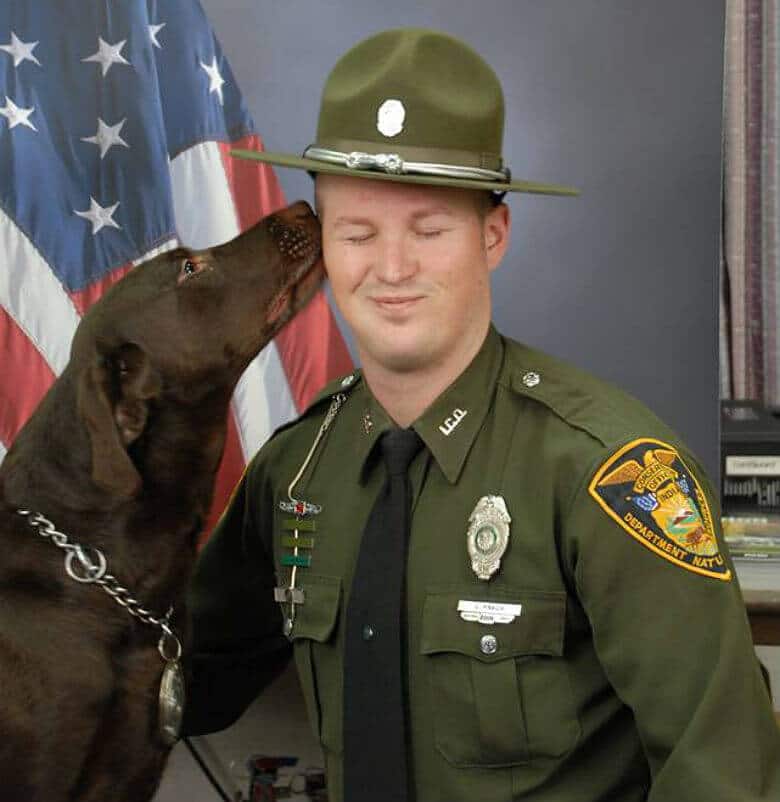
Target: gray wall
621 98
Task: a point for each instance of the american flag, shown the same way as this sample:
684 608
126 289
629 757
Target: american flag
116 119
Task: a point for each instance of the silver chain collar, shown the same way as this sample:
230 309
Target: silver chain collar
92 570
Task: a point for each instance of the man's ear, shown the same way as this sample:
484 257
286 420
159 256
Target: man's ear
114 391
497 228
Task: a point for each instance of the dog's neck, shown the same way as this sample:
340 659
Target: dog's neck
149 539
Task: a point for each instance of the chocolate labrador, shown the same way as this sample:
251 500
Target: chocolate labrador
102 497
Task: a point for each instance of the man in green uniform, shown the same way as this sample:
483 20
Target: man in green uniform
572 627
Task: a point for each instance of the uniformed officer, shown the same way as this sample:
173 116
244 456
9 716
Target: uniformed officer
572 627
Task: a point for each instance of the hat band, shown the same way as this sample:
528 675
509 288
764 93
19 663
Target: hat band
393 164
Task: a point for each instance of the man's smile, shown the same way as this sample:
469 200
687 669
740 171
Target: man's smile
395 303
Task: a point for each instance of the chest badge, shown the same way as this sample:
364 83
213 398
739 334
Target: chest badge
488 535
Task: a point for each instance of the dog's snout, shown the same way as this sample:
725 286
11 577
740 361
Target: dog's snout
296 231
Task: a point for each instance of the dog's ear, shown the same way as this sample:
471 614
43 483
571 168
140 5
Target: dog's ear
113 401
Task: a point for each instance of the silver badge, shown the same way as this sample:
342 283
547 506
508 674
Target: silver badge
488 535
390 117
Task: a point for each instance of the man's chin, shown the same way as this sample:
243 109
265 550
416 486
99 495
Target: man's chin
397 357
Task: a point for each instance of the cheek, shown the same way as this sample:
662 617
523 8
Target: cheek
346 268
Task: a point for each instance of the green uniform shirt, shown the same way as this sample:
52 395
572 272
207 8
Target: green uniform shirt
628 672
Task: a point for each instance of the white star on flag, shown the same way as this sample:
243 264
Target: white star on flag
15 115
98 215
216 79
153 31
106 136
21 51
108 54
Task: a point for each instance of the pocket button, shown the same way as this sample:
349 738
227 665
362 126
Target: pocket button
488 644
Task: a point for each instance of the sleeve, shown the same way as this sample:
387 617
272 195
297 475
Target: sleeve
237 645
670 628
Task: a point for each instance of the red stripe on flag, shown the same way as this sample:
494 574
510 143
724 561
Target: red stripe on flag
26 378
312 351
255 187
83 299
230 470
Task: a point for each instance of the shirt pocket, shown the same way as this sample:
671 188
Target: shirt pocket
504 702
318 658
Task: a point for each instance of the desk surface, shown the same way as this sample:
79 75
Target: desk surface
763 607
762 601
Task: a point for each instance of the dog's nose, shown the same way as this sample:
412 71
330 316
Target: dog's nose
296 214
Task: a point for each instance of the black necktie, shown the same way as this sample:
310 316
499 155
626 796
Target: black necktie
375 767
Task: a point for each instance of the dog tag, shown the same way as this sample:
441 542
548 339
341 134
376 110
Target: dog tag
172 696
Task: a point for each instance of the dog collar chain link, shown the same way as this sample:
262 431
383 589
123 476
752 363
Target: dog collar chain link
94 572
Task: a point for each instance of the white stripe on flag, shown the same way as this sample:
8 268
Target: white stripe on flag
202 201
262 401
166 246
33 296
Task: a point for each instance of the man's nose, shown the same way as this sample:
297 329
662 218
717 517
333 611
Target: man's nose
396 261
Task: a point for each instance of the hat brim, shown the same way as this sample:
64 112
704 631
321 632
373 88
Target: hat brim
314 166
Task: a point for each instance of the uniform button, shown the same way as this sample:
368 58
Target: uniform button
531 379
347 380
488 644
368 632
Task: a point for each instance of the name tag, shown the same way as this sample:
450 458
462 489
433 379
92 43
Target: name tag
488 612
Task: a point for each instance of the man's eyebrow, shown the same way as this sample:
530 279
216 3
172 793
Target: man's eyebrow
433 210
346 220
357 220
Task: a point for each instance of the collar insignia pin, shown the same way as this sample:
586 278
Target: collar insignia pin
531 378
448 427
300 508
488 535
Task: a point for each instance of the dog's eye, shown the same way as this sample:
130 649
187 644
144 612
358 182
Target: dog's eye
189 267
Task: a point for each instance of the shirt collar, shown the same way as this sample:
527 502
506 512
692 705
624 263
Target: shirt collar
451 423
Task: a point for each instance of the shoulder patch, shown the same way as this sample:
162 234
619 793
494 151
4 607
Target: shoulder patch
647 488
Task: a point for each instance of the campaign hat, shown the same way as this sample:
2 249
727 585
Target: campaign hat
416 106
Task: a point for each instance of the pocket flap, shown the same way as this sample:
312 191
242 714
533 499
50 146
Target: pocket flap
537 630
316 618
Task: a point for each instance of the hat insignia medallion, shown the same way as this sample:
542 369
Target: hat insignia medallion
390 117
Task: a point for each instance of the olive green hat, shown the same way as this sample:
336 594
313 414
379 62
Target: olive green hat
416 106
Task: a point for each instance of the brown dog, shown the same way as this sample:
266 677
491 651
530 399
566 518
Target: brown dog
121 456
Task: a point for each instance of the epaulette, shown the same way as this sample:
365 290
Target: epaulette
343 384
582 400
340 385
